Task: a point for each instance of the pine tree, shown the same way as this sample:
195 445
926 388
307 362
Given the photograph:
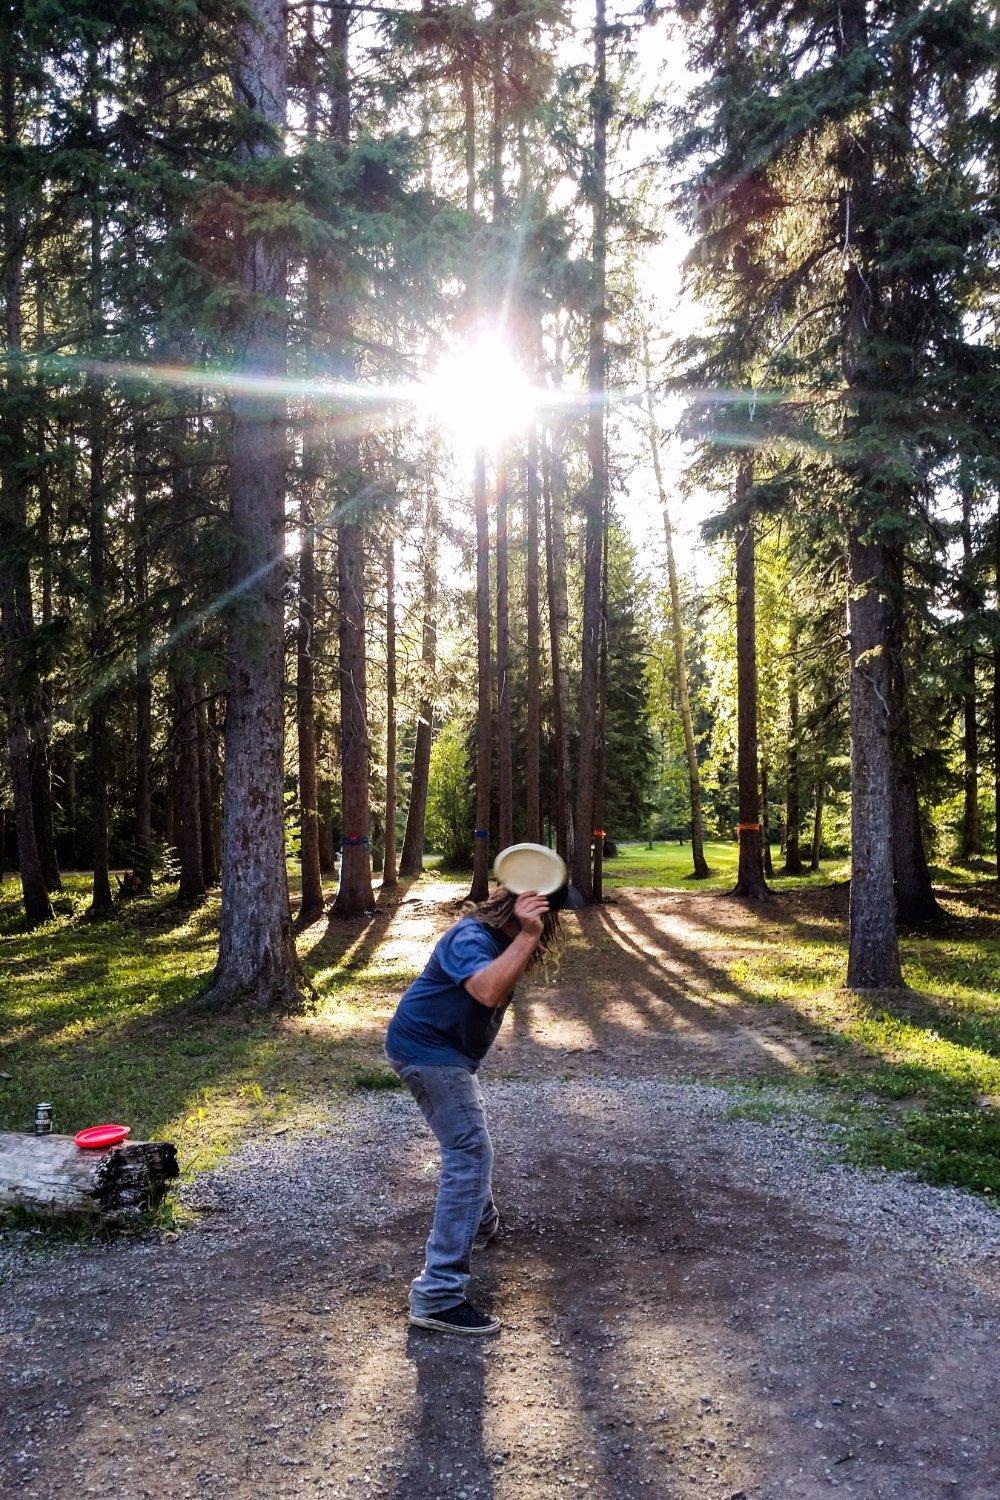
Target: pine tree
257 962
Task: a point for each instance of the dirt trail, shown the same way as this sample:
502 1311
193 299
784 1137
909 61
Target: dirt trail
695 1307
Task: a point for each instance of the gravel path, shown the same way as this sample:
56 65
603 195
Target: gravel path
693 1307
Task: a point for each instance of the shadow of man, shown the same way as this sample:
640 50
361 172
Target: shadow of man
446 1449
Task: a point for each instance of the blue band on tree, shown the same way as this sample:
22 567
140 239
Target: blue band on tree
482 833
354 841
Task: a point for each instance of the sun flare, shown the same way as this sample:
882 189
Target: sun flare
481 393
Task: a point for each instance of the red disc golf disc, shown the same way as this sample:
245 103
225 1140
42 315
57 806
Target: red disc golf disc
99 1137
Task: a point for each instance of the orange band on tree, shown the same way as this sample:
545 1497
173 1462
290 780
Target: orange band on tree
749 827
599 833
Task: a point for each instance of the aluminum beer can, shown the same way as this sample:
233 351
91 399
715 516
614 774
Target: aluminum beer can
43 1119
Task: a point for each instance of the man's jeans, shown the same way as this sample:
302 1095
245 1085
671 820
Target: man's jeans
452 1104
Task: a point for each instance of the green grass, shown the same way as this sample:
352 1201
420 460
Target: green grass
668 867
929 1058
96 1018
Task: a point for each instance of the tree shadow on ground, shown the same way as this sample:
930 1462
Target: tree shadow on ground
637 985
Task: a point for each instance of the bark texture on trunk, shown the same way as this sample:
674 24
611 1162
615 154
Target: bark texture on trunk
873 961
187 791
554 497
996 708
765 822
594 501
389 877
354 893
257 962
412 858
15 577
484 726
750 880
216 723
209 863
817 833
41 765
505 762
971 839
41 791
533 722
699 863
602 709
915 899
793 812
142 837
102 901
311 904
873 956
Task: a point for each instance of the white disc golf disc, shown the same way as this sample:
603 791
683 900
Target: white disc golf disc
530 867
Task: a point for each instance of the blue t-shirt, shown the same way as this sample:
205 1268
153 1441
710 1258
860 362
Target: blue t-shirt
437 1020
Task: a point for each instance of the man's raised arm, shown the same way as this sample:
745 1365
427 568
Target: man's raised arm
492 984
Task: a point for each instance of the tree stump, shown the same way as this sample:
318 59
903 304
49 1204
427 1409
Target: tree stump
52 1176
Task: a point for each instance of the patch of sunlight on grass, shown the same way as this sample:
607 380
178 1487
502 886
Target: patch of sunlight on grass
934 1048
97 1019
802 975
667 866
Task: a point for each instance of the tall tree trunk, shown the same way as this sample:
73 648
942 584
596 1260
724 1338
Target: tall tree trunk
102 903
354 892
505 763
389 857
793 812
700 864
533 725
750 880
915 899
15 578
257 960
41 788
505 766
971 841
311 902
206 806
873 961
554 495
873 957
40 705
817 833
484 726
765 821
216 726
594 502
142 835
187 790
996 699
602 711
412 858
69 792
484 723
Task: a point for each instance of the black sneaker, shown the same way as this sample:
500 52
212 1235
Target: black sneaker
461 1319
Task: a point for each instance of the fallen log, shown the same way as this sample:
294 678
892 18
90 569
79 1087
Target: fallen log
50 1175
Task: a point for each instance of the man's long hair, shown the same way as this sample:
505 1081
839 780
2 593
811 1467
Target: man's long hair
497 910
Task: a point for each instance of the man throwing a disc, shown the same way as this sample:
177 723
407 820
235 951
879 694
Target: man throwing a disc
442 1029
